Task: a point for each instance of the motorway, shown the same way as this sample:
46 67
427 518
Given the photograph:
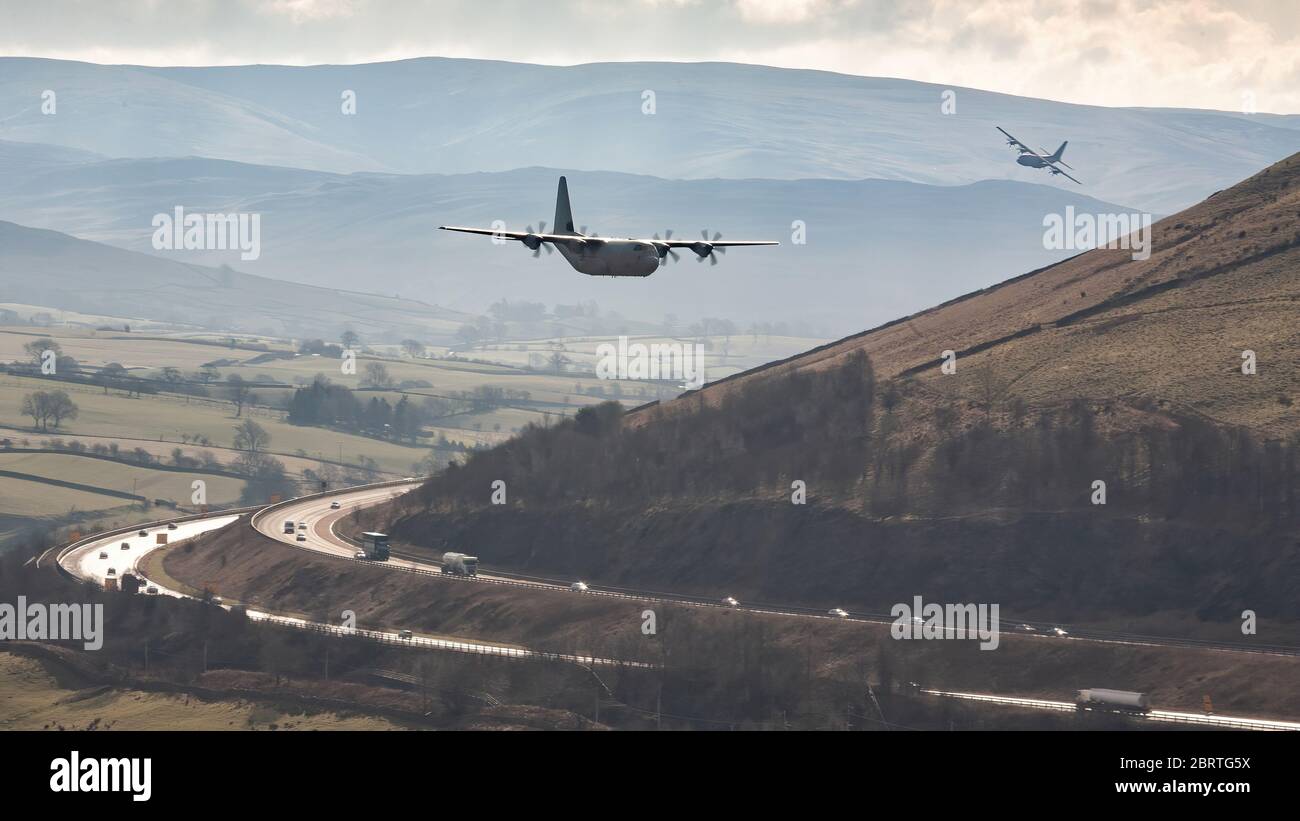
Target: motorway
322 536
124 552
91 559
1164 716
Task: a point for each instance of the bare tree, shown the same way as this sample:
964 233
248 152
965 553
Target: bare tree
37 347
251 437
376 376
413 348
61 407
558 360
239 393
46 407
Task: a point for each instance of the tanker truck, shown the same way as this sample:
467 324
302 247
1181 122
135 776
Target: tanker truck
458 564
1117 700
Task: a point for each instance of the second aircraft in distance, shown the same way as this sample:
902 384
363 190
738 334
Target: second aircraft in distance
1039 158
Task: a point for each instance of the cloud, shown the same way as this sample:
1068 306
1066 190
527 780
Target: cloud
1186 53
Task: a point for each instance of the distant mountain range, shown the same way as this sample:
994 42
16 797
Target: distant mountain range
875 248
40 267
437 115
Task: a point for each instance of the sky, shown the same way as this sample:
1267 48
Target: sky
1223 54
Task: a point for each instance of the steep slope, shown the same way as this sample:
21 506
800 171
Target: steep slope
709 120
976 486
1223 277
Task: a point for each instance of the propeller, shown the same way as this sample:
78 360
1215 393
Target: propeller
536 242
666 251
582 229
707 249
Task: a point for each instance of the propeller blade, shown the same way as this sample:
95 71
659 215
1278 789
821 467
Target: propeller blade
713 259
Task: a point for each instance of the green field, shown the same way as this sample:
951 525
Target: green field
167 418
153 484
37 499
161 423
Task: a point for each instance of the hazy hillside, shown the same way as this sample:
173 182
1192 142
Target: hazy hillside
875 248
47 268
711 120
974 486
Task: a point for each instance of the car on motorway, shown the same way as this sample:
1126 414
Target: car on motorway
579 587
729 602
334 505
217 600
405 634
103 554
837 613
151 590
302 525
302 537
144 533
1059 632
112 572
1026 628
360 554
171 525
126 545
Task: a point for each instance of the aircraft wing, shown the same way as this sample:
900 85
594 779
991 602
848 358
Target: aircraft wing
1013 140
1056 170
516 235
720 243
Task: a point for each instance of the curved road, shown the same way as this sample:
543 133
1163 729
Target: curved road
91 559
321 535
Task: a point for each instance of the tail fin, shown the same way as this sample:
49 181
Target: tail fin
563 216
1057 156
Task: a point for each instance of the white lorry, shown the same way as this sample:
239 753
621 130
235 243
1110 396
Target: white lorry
1118 700
458 564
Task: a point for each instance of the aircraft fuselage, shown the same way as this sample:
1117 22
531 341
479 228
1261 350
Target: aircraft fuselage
611 257
1031 160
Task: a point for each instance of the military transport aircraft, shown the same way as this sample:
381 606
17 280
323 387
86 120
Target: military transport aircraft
1040 158
607 256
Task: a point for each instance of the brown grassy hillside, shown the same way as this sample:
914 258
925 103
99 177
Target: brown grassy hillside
1223 276
974 486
